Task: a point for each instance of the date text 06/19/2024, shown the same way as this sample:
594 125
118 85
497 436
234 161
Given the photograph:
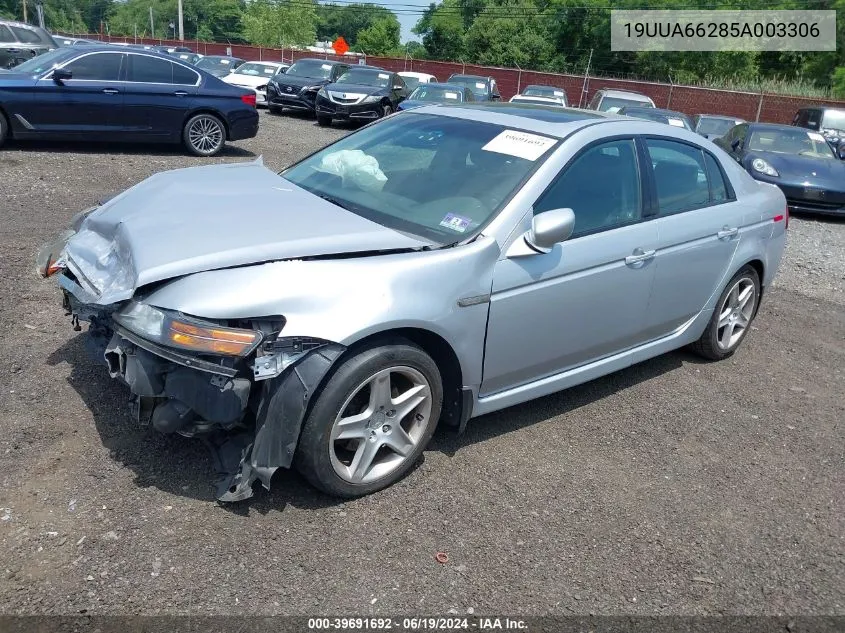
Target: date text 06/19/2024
417 624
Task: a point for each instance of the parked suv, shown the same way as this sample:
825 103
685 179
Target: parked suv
297 87
483 88
611 100
829 121
20 42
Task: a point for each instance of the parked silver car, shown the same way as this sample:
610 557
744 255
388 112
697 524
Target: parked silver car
436 266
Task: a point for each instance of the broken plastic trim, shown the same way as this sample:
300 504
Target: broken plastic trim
284 403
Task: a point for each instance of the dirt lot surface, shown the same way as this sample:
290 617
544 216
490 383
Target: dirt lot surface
674 487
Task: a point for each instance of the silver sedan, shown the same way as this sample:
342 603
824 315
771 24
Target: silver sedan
432 267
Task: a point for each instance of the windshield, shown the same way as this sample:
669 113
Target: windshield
433 176
215 63
478 85
411 82
660 117
44 62
437 93
310 68
365 77
529 100
834 120
612 104
716 127
543 91
798 142
254 69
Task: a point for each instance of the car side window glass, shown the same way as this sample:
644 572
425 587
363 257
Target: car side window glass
679 176
813 119
184 76
718 187
601 186
96 67
6 34
26 36
594 104
144 69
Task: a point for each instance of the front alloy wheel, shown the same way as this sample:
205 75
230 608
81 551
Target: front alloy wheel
372 420
204 135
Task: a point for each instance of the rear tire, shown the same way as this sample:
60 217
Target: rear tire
4 129
372 420
324 121
204 135
732 317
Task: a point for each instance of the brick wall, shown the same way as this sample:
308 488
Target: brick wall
691 100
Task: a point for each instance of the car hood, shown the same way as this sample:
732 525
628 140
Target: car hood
247 81
10 78
298 81
826 171
410 104
361 89
205 218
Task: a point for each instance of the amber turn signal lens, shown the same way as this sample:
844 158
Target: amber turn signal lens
212 340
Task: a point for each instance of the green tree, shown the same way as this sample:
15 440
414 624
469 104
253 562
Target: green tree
348 20
380 38
442 30
280 22
838 82
510 33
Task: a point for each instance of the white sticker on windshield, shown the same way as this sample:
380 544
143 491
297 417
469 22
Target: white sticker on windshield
481 85
326 66
383 76
225 62
450 95
676 122
520 144
815 136
558 93
456 222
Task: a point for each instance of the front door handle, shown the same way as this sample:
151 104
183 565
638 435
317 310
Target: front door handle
727 232
181 93
639 256
111 91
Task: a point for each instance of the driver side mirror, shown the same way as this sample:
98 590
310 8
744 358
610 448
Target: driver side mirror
61 74
547 229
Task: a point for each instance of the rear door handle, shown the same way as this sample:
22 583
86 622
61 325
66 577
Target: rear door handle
639 256
181 93
111 91
727 232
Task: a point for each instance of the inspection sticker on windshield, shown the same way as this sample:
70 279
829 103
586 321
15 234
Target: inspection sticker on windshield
558 93
383 76
481 85
676 122
326 66
225 62
815 136
456 222
520 144
450 95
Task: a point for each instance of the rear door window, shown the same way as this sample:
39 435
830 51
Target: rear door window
145 69
680 176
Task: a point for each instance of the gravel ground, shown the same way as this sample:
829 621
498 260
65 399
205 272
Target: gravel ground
674 487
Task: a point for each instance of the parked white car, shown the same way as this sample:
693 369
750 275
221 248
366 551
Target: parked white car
255 75
412 80
548 101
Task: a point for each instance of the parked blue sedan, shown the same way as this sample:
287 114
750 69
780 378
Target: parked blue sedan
109 93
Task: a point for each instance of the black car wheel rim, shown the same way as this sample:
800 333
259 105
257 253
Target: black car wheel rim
205 134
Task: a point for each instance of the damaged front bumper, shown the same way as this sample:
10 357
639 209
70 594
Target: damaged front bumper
249 409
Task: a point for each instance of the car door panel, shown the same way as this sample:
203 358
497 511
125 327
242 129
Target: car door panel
84 105
155 105
555 311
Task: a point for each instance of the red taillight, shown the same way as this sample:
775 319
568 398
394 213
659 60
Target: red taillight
249 99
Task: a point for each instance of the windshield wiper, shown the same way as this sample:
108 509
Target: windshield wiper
335 201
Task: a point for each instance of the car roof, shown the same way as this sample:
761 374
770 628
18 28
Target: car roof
20 24
533 118
774 126
481 77
720 116
624 94
549 86
322 61
537 98
368 67
111 48
409 73
653 111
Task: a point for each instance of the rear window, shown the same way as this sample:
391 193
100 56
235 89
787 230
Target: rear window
25 35
184 76
6 34
834 120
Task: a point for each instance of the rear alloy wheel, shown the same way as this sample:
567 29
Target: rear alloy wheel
372 420
204 135
732 317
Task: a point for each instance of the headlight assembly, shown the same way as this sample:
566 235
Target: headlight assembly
371 99
761 166
179 331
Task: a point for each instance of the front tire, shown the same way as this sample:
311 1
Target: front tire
372 420
204 135
274 109
732 316
386 110
324 121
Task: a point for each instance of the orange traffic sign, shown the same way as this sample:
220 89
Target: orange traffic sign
340 46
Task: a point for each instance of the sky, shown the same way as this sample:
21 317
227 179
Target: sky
409 21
